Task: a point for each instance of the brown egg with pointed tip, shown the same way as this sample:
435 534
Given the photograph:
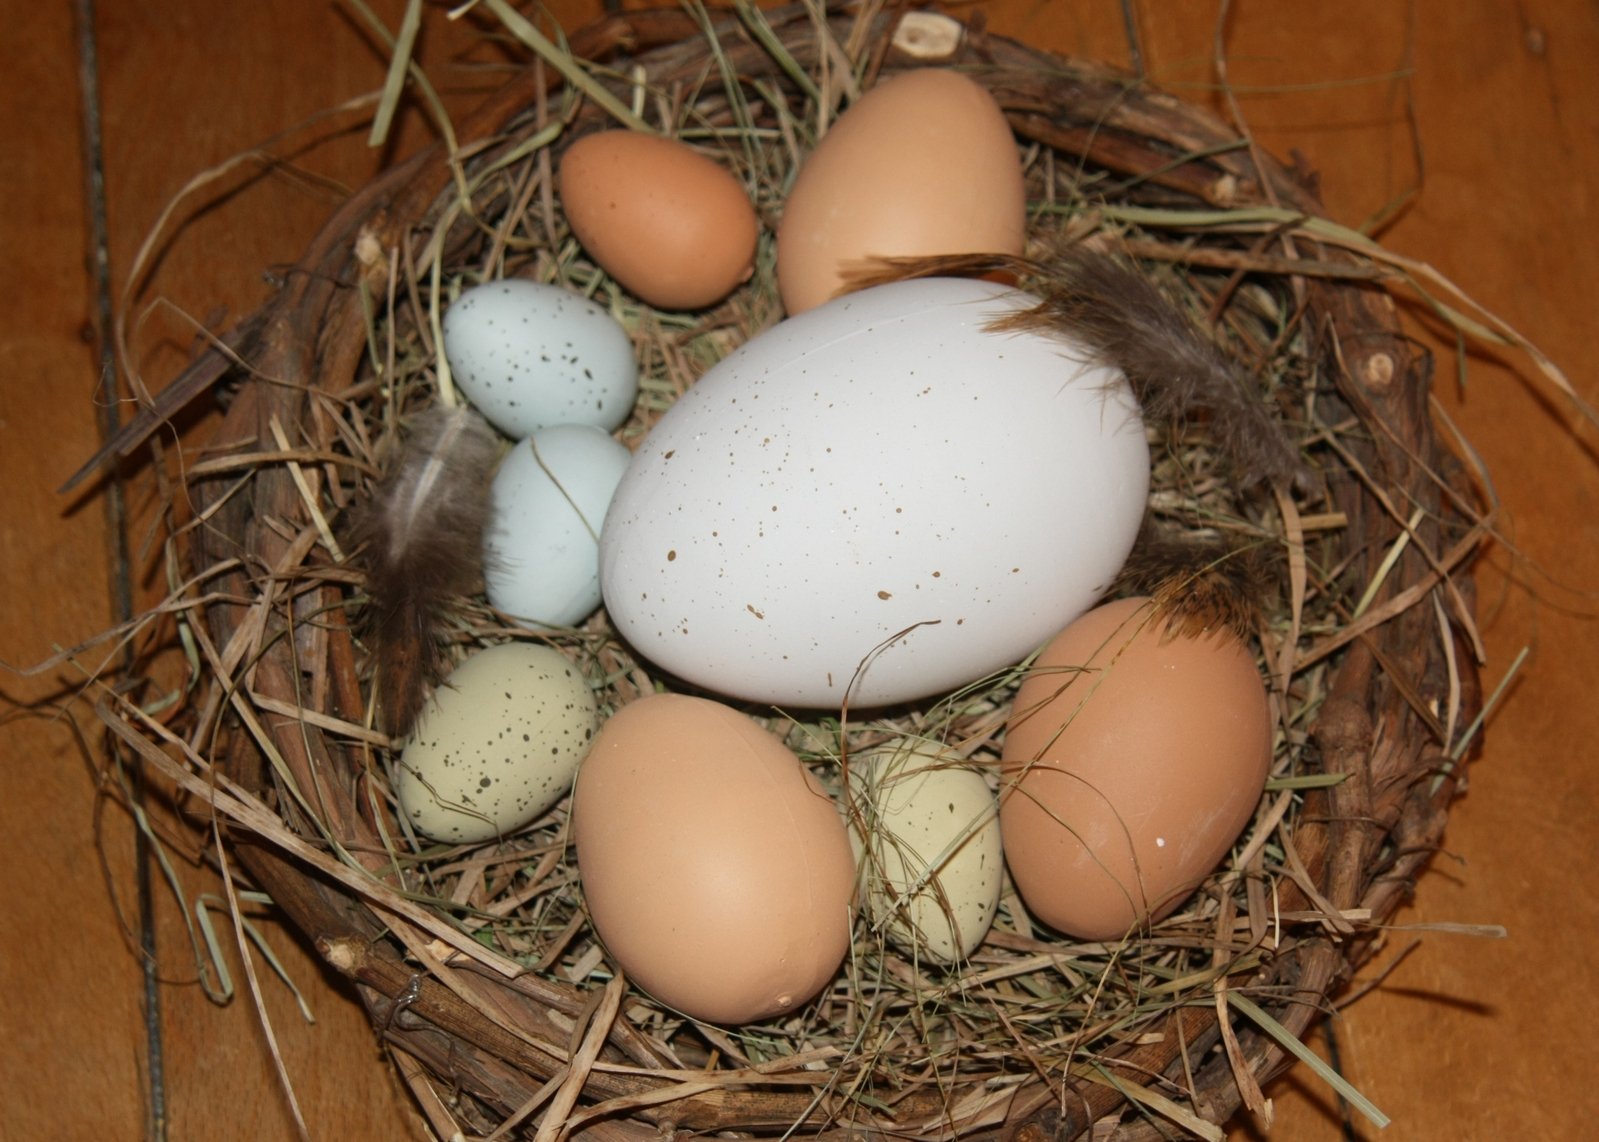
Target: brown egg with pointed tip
923 163
1133 759
673 226
716 869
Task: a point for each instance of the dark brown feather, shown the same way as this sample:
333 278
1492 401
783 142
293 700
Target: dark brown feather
1200 582
418 541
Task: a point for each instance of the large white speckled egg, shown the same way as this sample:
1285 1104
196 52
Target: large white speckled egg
528 355
497 745
881 498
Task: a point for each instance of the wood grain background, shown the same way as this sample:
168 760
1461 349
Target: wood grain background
1499 99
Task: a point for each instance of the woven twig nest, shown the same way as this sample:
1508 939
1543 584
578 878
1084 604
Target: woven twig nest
1368 645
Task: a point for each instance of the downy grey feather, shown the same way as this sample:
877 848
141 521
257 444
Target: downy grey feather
418 541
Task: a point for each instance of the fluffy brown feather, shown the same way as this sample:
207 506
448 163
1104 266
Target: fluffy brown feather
1200 582
418 541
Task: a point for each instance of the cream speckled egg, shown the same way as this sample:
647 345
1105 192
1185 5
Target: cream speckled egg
497 745
926 828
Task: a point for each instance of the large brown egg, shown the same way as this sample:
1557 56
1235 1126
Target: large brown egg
672 226
923 163
716 870
1133 759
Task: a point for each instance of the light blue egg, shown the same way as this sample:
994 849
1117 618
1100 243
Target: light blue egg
546 507
529 355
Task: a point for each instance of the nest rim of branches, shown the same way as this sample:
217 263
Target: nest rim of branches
1370 644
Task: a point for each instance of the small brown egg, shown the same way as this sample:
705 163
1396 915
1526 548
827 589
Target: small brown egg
672 226
1133 759
716 869
923 163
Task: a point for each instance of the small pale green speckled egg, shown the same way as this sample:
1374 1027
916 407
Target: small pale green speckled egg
930 859
497 745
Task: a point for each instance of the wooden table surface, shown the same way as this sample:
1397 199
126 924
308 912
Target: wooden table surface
1498 99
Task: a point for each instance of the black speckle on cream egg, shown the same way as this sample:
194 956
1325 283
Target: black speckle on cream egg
497 746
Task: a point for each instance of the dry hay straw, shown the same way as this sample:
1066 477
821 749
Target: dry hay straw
476 963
